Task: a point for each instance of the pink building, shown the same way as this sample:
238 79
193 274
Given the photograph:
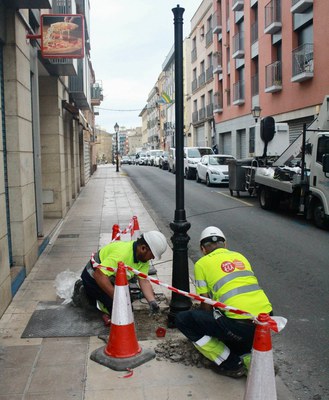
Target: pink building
268 54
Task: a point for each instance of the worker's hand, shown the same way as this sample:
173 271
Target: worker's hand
154 307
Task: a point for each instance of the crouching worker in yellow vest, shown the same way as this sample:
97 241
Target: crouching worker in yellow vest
96 286
226 276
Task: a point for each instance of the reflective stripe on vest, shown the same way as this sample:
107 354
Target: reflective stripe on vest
201 283
239 290
221 282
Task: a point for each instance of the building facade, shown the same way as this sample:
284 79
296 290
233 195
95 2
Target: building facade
270 55
46 150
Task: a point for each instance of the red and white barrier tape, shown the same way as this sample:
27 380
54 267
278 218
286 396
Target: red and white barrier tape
278 322
128 229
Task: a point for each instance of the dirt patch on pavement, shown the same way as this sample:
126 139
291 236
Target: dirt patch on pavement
177 350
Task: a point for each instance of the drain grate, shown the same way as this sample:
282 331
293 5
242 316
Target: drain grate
68 235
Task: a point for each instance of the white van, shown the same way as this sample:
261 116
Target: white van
192 155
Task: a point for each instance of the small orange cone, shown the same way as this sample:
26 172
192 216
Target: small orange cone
122 350
135 232
261 376
115 232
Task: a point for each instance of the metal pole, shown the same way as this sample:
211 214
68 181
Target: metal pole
116 128
180 239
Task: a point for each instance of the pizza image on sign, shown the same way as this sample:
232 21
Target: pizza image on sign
62 36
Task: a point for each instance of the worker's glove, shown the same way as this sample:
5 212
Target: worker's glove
154 307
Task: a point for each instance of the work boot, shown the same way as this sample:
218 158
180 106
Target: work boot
76 302
232 367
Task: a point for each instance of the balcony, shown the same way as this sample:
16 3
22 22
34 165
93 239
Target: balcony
218 103
238 93
202 114
255 85
302 63
96 94
217 63
202 79
237 5
47 4
209 73
216 23
195 116
238 46
193 55
78 86
84 9
299 6
59 66
194 85
209 37
273 17
210 110
273 77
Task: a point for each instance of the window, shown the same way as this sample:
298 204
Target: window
323 148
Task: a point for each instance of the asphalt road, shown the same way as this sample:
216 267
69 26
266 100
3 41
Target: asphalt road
289 256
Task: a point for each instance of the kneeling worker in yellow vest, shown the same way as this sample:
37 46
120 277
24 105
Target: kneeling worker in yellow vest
226 276
97 285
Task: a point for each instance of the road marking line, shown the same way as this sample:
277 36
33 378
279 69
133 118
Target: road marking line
231 197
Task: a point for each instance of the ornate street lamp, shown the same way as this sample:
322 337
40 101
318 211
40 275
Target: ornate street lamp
256 112
180 226
116 129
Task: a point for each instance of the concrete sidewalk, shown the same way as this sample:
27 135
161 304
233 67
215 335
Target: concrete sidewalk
60 368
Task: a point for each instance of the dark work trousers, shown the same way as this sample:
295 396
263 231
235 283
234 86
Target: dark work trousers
237 334
93 291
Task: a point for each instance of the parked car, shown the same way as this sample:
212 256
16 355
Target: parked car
192 155
125 160
141 158
213 169
163 160
156 157
172 160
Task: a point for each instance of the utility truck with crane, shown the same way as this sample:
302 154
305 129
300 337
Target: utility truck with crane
298 179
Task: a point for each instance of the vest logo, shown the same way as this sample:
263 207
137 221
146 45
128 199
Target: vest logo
227 266
230 266
238 264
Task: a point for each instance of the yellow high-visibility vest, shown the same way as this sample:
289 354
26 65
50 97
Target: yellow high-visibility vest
227 276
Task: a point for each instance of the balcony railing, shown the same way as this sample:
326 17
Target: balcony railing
193 55
273 77
238 93
195 116
210 110
238 45
194 84
209 73
78 87
202 78
254 32
255 85
273 17
202 113
299 6
218 102
96 94
302 63
217 22
209 37
217 63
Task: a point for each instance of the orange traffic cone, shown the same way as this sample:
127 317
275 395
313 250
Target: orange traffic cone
122 350
135 232
115 232
261 376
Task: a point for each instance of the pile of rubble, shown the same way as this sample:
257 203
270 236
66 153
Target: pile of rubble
181 351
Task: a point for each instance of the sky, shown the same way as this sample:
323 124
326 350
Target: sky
130 40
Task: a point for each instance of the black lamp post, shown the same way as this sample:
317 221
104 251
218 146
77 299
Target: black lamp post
256 112
180 239
116 129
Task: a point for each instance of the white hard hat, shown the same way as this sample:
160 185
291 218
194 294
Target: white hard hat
212 234
156 242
